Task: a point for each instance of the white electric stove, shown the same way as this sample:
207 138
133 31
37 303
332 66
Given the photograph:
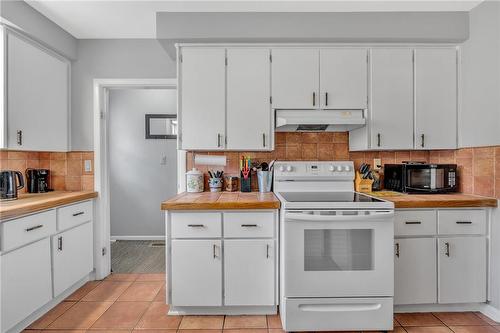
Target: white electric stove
336 250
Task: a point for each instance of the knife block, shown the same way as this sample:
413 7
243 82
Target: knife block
246 184
362 185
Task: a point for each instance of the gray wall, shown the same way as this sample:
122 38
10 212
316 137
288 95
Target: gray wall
138 179
38 26
110 59
479 122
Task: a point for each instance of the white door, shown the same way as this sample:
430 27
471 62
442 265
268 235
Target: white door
462 270
37 97
391 98
72 256
415 273
202 103
26 282
436 98
249 267
248 99
196 273
295 78
343 78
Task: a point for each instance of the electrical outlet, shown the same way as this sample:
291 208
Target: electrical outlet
87 166
377 164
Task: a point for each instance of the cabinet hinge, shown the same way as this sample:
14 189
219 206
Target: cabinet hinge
103 251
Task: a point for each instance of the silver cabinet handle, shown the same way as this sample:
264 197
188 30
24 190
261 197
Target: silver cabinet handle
267 251
263 139
447 252
378 139
196 225
413 222
397 250
79 213
314 99
34 228
422 137
464 222
60 243
326 99
215 250
20 137
219 140
249 225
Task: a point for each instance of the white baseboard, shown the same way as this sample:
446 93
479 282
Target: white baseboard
158 238
484 308
491 312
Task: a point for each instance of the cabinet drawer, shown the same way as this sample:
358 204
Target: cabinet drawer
462 222
27 229
73 215
196 225
249 225
414 222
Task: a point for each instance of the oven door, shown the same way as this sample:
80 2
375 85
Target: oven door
335 253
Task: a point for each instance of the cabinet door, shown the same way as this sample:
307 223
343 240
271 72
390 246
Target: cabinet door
343 78
196 273
415 275
248 104
72 256
37 97
203 98
26 282
249 272
462 270
436 98
295 78
391 99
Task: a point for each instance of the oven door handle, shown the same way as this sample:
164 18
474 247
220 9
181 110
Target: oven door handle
339 307
311 217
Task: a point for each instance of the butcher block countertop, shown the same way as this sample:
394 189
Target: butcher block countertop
451 200
221 201
32 202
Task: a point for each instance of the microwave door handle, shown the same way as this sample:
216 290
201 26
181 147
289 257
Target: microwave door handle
311 217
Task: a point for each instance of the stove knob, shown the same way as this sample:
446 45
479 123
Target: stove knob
282 168
339 168
331 168
347 168
289 168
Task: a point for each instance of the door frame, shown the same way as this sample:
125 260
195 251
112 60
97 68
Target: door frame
102 219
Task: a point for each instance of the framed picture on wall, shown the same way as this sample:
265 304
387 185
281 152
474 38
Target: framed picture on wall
161 126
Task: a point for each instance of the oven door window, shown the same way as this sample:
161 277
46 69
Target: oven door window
338 250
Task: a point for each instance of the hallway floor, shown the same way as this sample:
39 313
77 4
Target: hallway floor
136 302
137 256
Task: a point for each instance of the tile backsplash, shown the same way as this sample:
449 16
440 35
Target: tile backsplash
478 168
67 171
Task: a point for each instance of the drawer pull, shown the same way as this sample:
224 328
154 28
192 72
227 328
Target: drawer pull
397 250
249 225
413 222
215 251
447 252
59 243
34 227
464 222
267 251
79 213
196 225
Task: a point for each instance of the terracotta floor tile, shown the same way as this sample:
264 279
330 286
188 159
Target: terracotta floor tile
417 319
460 318
161 331
395 323
52 315
245 322
93 330
82 291
433 329
161 296
156 317
486 318
81 315
497 327
63 331
274 321
247 330
202 322
141 291
107 291
122 315
276 330
121 277
473 329
151 277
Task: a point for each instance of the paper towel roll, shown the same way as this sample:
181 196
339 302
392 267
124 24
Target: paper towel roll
210 160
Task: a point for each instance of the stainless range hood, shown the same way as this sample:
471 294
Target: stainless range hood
319 120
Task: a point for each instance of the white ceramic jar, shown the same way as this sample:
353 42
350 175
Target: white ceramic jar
194 180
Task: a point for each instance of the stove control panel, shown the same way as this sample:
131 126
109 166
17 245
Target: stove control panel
291 170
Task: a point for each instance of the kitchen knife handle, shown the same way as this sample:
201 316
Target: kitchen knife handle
314 99
447 252
397 250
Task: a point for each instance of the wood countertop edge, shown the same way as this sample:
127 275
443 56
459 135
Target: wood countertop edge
220 205
466 203
44 203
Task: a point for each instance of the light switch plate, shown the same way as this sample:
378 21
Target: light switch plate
377 164
87 166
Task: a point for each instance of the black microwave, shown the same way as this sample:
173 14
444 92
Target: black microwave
414 177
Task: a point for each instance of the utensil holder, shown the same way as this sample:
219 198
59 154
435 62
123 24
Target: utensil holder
265 180
246 184
215 184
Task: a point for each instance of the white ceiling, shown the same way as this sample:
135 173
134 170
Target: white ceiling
136 18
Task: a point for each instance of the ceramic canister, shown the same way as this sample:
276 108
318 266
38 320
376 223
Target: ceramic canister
194 180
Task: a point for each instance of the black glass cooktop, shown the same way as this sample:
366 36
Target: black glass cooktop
327 197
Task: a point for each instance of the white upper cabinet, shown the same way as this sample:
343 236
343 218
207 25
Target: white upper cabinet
248 99
343 78
203 98
391 109
37 91
436 98
295 78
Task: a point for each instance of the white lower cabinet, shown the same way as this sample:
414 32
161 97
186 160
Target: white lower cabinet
26 282
72 256
415 271
462 269
249 272
196 273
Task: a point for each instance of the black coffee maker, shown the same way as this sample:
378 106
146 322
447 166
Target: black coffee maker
38 180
